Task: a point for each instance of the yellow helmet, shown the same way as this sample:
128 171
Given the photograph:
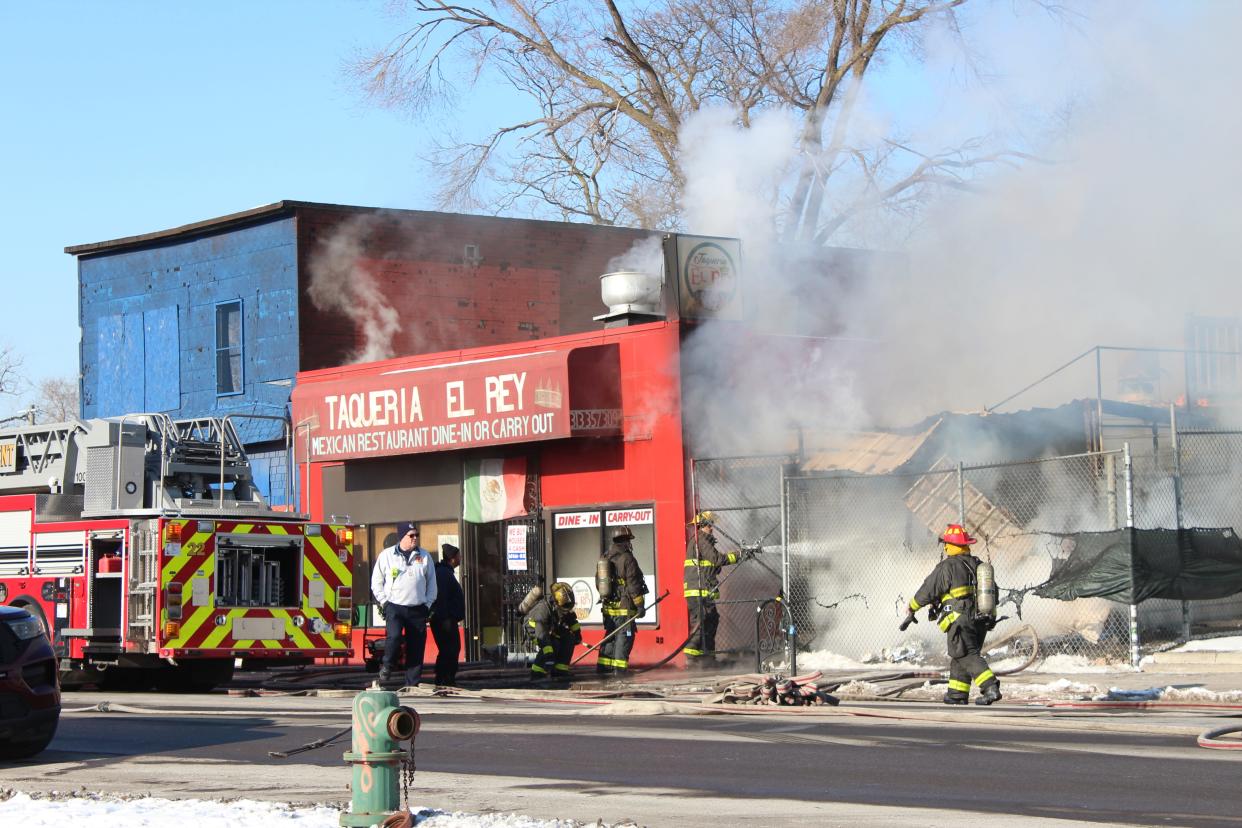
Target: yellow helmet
562 595
704 518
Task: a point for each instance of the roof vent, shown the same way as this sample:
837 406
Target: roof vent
632 297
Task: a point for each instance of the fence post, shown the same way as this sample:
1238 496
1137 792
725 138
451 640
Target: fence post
1177 505
790 640
961 495
1134 630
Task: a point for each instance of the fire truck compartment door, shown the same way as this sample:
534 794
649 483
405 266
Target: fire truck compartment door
200 589
314 595
258 629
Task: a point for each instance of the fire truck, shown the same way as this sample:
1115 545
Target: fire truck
152 558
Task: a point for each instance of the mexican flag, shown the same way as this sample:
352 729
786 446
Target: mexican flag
494 489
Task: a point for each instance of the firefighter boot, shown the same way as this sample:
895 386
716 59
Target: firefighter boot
990 694
954 697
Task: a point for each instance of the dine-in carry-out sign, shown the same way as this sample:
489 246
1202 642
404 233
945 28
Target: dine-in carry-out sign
462 405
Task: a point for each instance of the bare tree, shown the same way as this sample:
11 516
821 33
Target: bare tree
10 371
611 85
57 399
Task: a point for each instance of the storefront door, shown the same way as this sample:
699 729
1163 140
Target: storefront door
502 561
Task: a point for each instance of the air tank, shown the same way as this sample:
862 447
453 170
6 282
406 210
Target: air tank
985 589
532 598
603 579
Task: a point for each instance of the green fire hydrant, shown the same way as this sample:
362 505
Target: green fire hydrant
380 725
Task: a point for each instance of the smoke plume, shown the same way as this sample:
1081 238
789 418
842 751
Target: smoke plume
1120 226
340 282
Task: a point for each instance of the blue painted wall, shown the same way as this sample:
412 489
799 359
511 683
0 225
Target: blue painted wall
148 319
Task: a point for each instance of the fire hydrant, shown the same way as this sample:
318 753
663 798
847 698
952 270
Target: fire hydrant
380 724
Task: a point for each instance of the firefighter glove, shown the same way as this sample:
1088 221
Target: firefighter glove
910 619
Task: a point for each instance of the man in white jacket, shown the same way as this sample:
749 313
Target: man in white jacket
403 584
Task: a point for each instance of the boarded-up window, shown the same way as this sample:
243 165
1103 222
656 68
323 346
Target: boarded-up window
229 348
162 348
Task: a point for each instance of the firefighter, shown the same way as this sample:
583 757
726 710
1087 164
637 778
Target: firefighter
623 601
702 576
949 591
555 628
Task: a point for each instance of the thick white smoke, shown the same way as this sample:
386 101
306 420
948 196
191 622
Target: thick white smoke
1123 226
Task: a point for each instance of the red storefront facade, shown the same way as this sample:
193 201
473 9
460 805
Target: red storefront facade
591 422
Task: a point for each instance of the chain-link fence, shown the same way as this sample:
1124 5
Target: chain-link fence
856 547
745 495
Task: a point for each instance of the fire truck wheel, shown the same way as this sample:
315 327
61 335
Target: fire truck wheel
127 679
195 676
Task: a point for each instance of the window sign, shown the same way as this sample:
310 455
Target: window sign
516 548
579 538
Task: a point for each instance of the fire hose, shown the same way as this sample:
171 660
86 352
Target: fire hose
757 689
936 677
610 635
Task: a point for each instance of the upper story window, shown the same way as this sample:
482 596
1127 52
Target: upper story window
229 348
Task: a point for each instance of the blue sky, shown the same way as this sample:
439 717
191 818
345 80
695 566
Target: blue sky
128 117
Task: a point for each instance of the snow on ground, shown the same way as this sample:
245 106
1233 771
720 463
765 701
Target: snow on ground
908 659
56 811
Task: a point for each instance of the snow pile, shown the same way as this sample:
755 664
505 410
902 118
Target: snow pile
1074 664
1182 695
55 811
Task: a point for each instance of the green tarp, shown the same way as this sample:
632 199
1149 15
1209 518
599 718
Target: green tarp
1191 565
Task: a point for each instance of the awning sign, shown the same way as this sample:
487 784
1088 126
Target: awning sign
463 405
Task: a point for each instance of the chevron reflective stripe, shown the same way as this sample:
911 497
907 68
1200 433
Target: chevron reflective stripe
960 686
616 611
948 620
605 661
699 562
985 676
701 593
328 561
958 592
305 629
690 651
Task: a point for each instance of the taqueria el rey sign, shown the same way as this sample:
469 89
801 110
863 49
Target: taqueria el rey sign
466 404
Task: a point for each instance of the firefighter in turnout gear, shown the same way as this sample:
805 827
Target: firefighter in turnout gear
554 626
949 591
624 600
702 576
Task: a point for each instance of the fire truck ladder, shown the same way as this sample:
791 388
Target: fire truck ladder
202 462
42 454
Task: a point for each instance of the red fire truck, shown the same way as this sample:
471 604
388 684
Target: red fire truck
151 557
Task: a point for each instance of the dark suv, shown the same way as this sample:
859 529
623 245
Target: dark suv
29 688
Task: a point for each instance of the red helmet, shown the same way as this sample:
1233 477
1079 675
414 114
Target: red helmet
956 534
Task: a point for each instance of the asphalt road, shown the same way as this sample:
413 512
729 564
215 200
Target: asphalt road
666 769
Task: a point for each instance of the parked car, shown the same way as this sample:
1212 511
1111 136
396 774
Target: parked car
29 685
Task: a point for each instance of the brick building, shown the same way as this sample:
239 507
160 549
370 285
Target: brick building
219 316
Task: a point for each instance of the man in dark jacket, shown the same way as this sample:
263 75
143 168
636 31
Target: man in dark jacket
446 613
626 601
702 579
555 628
950 593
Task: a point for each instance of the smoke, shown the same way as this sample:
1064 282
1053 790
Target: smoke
1118 225
340 282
